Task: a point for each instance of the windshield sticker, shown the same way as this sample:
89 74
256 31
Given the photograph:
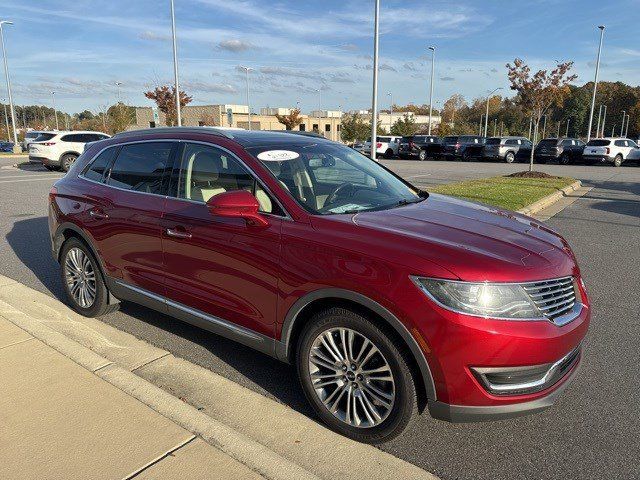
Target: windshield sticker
277 155
347 208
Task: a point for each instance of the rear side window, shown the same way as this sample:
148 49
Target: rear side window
75 138
620 143
43 137
511 141
599 143
141 166
96 169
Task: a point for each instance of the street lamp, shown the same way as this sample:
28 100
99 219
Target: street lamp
568 121
626 131
118 85
55 112
599 116
6 120
604 121
390 110
175 65
595 83
246 71
624 119
6 74
486 122
374 99
433 63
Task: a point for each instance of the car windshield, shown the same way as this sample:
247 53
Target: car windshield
493 141
599 143
328 179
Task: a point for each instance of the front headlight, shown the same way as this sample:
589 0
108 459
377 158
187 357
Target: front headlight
494 300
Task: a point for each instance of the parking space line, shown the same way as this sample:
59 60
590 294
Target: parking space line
29 179
47 175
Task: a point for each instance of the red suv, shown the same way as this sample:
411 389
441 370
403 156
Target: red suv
386 298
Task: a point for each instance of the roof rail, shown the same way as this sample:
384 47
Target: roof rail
160 130
299 132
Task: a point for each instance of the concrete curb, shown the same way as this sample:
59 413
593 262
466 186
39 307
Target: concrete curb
550 199
266 436
252 454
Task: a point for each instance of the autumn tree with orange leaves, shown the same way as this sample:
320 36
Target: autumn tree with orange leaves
540 91
290 121
165 98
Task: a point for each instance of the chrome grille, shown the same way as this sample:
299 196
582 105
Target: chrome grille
552 297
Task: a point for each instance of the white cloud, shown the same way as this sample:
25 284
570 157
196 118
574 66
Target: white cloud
235 45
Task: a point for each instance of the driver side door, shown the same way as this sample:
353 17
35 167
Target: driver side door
220 272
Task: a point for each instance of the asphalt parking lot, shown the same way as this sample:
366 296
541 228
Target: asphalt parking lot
593 431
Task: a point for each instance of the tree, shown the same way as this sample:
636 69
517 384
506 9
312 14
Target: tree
165 98
404 126
353 128
451 107
120 116
290 121
537 93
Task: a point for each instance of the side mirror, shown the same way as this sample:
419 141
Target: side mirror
237 204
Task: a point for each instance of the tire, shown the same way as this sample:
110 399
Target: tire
73 253
67 160
50 168
510 157
565 159
422 156
392 415
388 154
617 162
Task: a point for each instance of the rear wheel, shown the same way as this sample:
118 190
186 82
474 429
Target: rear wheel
67 160
83 281
422 156
509 157
355 377
565 159
617 161
388 153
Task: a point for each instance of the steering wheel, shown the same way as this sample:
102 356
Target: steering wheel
345 189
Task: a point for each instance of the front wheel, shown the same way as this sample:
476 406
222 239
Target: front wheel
565 159
509 157
422 156
67 160
355 377
617 162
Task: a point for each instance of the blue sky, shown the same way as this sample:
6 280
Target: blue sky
80 49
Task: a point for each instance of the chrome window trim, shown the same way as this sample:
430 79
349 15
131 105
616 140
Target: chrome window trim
286 216
560 321
210 318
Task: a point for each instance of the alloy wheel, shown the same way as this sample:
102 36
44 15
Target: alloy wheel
81 277
351 377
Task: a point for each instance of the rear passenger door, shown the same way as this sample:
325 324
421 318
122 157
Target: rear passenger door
220 271
126 226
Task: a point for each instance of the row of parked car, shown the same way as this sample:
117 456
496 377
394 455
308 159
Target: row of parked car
58 150
506 149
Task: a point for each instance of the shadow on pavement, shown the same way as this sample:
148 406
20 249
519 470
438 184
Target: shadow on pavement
622 198
29 239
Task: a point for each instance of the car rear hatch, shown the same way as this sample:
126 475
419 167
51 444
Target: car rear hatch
598 148
548 147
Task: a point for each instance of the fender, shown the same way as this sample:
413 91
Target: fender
284 347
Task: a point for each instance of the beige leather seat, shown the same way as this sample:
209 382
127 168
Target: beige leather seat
203 181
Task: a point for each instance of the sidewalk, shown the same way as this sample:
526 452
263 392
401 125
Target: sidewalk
58 421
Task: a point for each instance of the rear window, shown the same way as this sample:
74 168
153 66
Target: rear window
493 141
384 139
548 142
140 167
43 137
32 135
599 143
450 140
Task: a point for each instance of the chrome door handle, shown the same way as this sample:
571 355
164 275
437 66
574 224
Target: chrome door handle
97 214
178 233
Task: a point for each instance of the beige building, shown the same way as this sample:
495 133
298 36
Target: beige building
323 122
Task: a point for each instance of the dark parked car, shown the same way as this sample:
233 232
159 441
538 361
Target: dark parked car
455 147
507 149
6 147
386 298
564 150
419 146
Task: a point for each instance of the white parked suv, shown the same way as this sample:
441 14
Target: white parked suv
386 146
58 150
611 150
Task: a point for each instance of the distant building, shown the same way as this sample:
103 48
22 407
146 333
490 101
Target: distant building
328 124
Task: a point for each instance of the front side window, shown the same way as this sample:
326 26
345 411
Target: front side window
141 167
207 171
330 179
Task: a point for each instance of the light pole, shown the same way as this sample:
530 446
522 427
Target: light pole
595 83
486 120
604 121
374 99
55 112
433 64
568 121
390 110
6 120
6 74
598 126
495 126
246 71
480 126
626 131
175 66
624 119
118 85
544 127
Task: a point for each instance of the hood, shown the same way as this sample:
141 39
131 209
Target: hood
476 242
